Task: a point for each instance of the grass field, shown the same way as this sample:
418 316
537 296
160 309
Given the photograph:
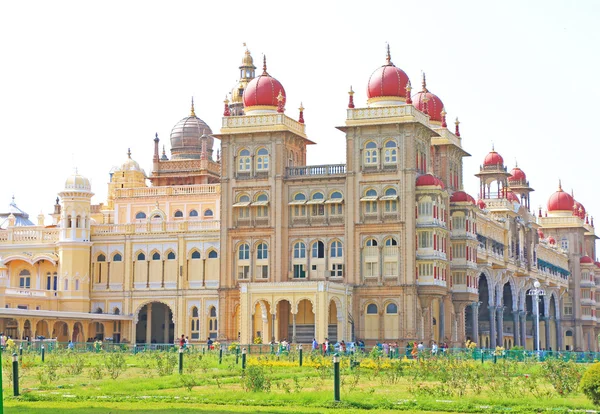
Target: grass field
149 382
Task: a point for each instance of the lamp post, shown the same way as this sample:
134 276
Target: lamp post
15 375
243 358
180 360
336 377
535 294
300 355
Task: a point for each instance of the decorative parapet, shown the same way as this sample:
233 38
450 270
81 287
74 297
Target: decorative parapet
29 235
263 122
395 114
315 170
156 227
167 191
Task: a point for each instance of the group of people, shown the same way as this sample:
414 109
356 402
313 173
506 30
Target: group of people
413 349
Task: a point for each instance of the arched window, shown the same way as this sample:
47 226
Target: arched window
299 197
117 257
425 207
171 256
569 333
335 203
243 266
140 215
141 257
390 198
195 254
370 200
193 213
261 203
25 279
317 200
156 256
212 322
76 284
195 323
116 311
244 252
178 214
244 161
299 205
208 213
318 250
391 308
262 252
336 249
371 243
101 258
299 250
262 159
66 284
391 242
390 155
243 204
371 309
370 155
213 254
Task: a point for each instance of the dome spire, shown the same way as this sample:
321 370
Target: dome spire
301 117
192 112
226 112
559 185
457 130
350 98
408 89
443 114
128 156
388 57
265 65
280 98
424 83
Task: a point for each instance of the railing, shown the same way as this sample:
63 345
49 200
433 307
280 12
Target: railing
160 227
167 191
33 234
315 170
262 120
358 114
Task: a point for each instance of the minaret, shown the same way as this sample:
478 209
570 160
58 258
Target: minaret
247 73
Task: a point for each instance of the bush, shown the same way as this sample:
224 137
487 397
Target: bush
563 375
590 383
255 379
115 364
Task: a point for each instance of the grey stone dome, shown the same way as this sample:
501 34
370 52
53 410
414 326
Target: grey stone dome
186 138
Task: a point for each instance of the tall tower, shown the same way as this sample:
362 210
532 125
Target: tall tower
247 73
74 244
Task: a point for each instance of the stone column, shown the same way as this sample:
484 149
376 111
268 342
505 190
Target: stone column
523 316
559 336
149 323
475 307
275 328
500 313
516 326
426 312
166 331
547 332
442 322
492 317
293 328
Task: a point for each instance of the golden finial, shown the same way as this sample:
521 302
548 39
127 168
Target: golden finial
244 44
493 149
280 96
265 65
516 163
424 83
443 113
351 92
129 153
388 57
301 109
192 112
559 185
226 101
408 87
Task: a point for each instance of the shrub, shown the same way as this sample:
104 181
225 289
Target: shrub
115 364
255 379
590 383
563 375
165 363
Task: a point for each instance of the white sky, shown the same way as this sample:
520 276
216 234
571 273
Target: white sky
80 82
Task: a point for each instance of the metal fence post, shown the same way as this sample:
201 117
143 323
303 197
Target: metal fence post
15 375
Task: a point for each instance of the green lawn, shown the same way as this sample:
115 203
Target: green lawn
150 383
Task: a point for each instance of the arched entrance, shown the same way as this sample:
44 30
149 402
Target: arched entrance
260 321
284 319
11 329
552 325
508 328
305 323
486 331
78 333
60 331
155 324
41 329
333 327
96 331
27 334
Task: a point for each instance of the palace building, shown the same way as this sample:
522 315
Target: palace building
253 241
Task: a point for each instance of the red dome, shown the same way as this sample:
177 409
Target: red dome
540 233
388 80
551 240
429 180
517 174
578 209
597 264
461 197
586 260
560 201
432 102
493 158
510 196
481 204
263 91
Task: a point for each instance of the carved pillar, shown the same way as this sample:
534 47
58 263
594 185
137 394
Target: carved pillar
275 331
559 335
500 313
426 312
523 316
167 328
149 323
475 307
492 317
442 322
516 326
547 332
293 328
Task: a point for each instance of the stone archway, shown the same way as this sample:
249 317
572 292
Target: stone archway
487 320
155 324
42 329
78 333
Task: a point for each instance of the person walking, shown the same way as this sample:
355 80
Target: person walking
315 344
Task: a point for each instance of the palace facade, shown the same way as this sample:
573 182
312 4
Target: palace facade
253 241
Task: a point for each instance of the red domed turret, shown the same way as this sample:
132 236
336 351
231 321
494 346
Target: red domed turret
586 260
493 158
578 209
517 174
428 103
597 264
429 180
540 233
264 92
461 197
510 196
481 204
551 240
387 85
560 201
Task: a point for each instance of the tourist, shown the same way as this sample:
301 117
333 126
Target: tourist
182 342
70 346
434 348
315 344
209 343
343 347
386 348
408 351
